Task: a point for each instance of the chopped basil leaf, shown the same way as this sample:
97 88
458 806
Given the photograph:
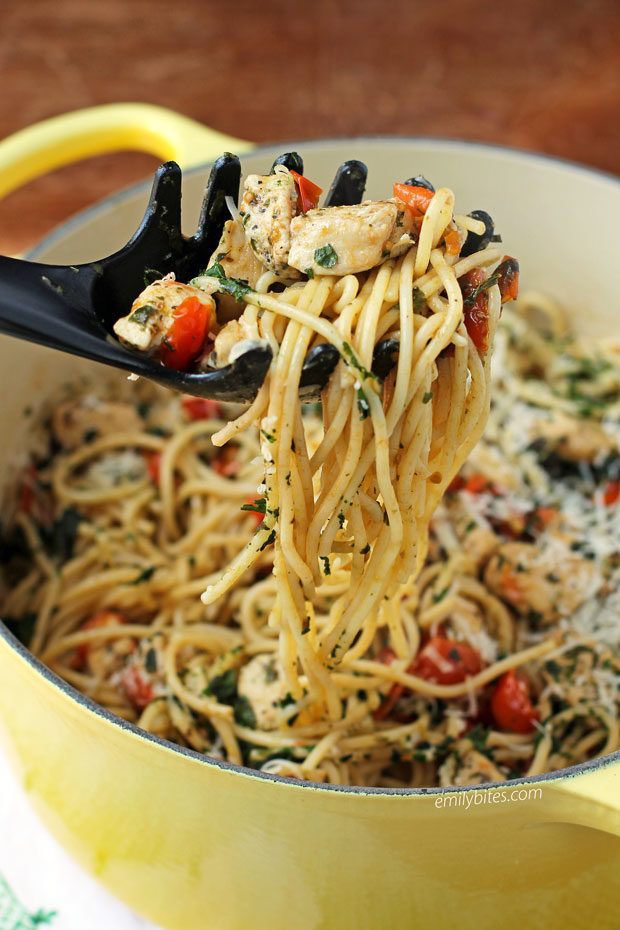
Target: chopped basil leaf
223 687
309 272
236 287
243 713
482 287
428 396
351 358
419 299
271 538
150 660
144 575
60 537
362 404
326 566
326 256
141 314
258 506
271 672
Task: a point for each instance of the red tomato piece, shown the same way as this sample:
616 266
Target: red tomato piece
611 492
386 706
186 336
475 484
308 192
452 241
508 280
416 198
103 618
136 687
476 314
387 656
543 516
446 661
201 408
26 494
153 463
477 326
511 706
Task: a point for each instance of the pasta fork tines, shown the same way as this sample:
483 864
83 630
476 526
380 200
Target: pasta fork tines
73 308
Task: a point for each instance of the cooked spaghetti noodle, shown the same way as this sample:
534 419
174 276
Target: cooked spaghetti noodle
332 642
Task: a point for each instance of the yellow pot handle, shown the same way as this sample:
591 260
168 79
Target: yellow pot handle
110 128
591 799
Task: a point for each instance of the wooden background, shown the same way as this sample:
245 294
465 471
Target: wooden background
541 74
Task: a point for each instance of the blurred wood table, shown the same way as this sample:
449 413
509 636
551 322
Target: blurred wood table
541 74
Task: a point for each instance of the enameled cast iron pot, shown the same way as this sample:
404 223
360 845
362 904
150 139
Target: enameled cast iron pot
199 845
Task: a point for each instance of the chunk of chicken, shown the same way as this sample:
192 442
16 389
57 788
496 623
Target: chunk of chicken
471 769
349 239
235 255
478 545
261 681
573 439
150 318
234 338
75 423
542 584
268 205
110 657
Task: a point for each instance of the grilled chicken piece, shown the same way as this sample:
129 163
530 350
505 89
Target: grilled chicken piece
478 545
235 255
261 681
573 439
74 423
268 205
234 338
349 239
473 769
540 584
145 327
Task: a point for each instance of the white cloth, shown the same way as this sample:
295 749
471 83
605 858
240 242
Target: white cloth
38 877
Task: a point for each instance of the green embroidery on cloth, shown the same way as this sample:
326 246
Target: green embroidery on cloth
14 917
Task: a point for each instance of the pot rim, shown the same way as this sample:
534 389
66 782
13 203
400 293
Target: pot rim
446 143
87 703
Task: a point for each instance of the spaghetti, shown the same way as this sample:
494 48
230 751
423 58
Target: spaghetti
336 640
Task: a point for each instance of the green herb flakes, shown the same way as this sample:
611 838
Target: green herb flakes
142 314
419 299
144 575
236 287
259 505
150 660
471 299
326 256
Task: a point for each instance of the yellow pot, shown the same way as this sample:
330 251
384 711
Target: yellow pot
198 845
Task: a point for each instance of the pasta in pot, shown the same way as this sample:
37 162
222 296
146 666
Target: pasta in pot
345 634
